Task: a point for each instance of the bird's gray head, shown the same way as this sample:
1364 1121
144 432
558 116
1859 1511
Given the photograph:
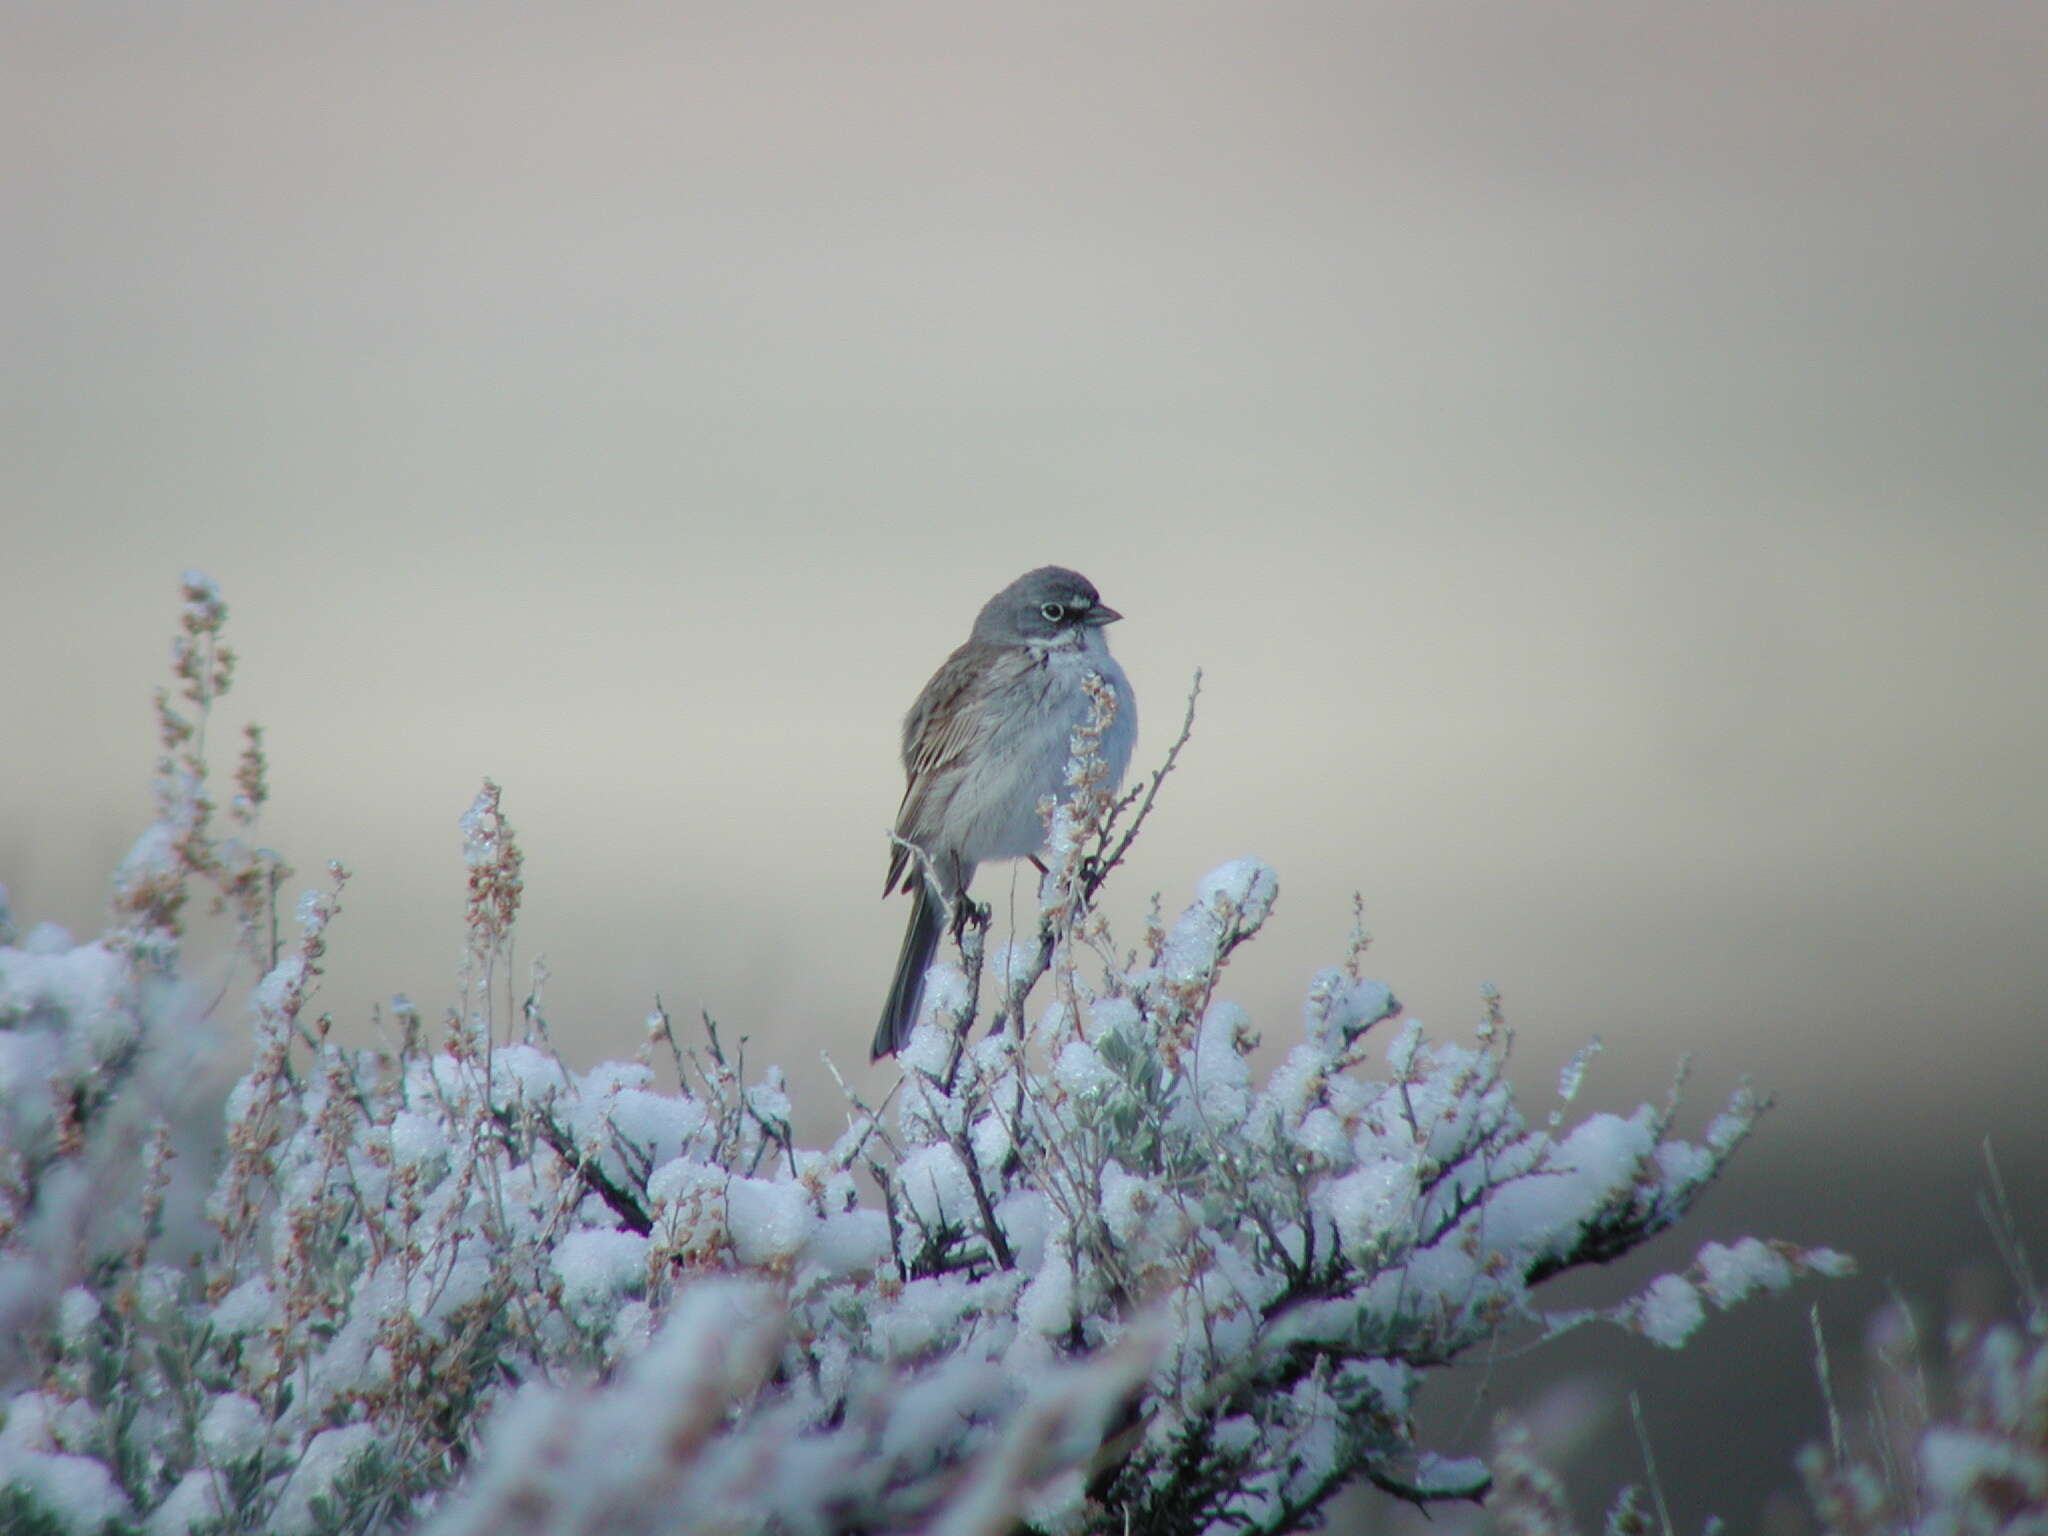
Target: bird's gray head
1044 607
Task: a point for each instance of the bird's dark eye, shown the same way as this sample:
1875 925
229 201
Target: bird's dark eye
1052 612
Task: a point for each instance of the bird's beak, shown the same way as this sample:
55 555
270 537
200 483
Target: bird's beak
1102 614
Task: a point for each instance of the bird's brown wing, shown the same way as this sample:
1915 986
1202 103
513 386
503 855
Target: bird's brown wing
939 731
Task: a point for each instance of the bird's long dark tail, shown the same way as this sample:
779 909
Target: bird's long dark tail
920 943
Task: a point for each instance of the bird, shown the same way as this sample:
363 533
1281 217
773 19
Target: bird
986 741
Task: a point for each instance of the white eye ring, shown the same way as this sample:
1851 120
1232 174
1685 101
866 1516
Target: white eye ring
1052 613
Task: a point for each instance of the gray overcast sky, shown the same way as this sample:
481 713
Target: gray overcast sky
1595 451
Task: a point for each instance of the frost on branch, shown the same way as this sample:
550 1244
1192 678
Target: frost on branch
1087 1268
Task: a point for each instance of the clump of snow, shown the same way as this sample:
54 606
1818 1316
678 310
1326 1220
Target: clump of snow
1338 1009
1081 1071
77 1491
770 1220
850 1243
935 1185
194 1504
246 1308
1047 1305
1110 1016
234 1427
1222 1076
596 1266
1669 1311
1232 899
1730 1274
417 1138
328 1455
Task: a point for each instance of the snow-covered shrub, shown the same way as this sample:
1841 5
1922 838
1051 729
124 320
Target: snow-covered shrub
1086 1268
1970 1459
1964 1457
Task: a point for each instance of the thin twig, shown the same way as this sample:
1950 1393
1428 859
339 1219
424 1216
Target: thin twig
1093 877
1635 1408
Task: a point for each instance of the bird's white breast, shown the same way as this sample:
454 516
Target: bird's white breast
1027 752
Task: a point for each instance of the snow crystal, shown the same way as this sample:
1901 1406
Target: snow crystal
25 1426
769 1098
926 1315
596 1265
1669 1311
30 1060
1683 1165
1222 1076
770 1220
1444 1276
933 1409
632 1330
1025 1219
1574 1072
46 939
664 1124
1392 1382
1081 1071
479 830
850 1243
85 986
1236 1435
1110 1016
1236 895
435 1293
1051 1023
1313 1454
1338 1010
1374 1207
1295 1084
78 1490
930 1043
234 1427
194 1503
537 1075
1727 1129
945 993
1459 1477
279 985
992 1140
328 1455
1322 1136
601 1081
1247 884
77 1311
1955 1462
934 1183
1047 1305
153 855
681 1178
159 1292
1544 1211
315 910
244 1309
416 1138
1731 1274
351 1365
1127 1202
1826 1261
1402 1048
1009 964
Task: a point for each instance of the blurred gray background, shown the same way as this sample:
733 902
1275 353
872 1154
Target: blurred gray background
1597 453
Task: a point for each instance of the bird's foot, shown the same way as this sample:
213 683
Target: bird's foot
966 912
